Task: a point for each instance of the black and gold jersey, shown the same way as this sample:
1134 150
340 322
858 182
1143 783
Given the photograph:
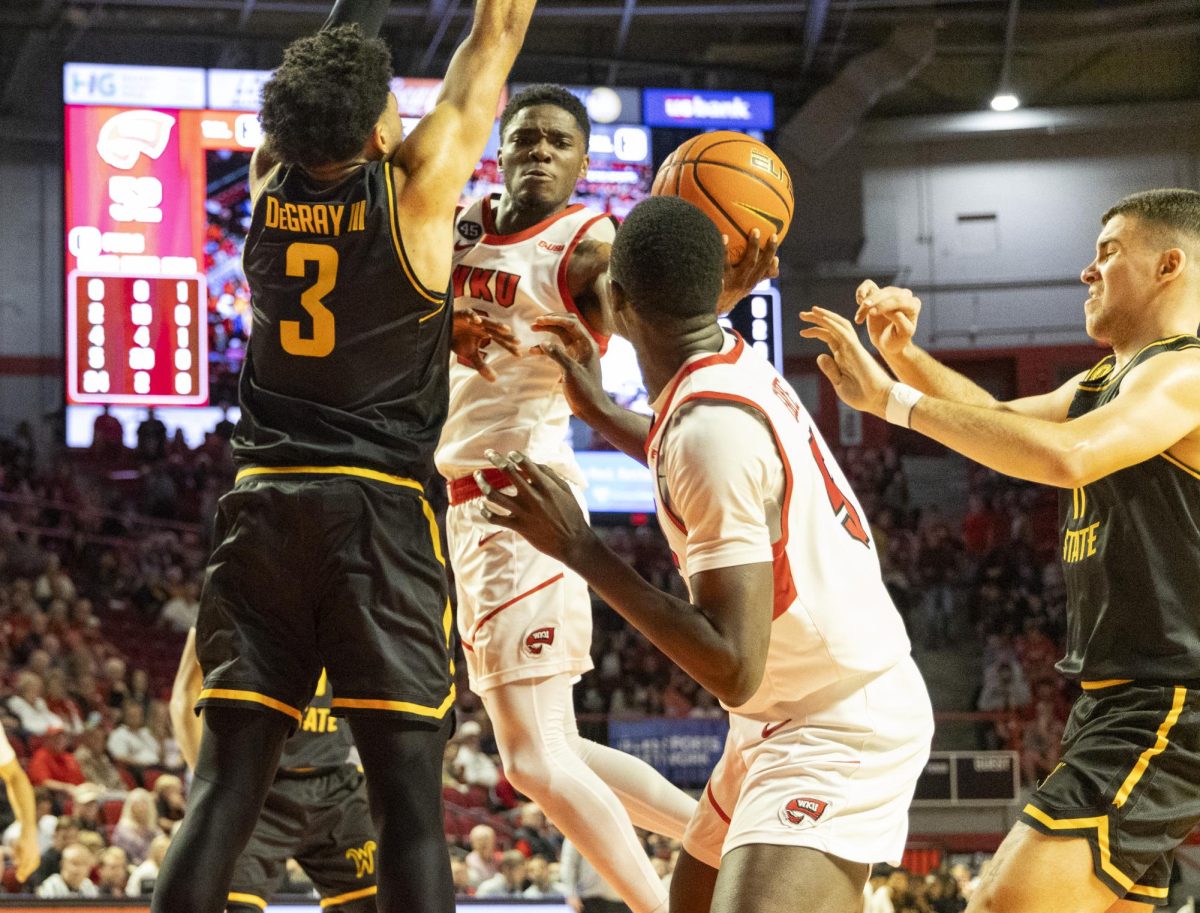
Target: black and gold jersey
348 358
1131 555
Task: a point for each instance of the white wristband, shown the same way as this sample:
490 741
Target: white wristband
900 402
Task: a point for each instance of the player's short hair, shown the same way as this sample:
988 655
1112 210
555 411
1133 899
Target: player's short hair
1173 211
544 93
669 258
320 106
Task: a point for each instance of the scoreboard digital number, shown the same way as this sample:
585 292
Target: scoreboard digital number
136 339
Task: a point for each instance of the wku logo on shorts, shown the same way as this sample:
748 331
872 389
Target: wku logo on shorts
802 810
538 640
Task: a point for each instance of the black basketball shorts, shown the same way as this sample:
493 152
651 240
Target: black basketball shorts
340 569
322 822
1127 783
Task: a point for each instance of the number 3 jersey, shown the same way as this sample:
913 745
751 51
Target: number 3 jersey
347 359
516 279
744 477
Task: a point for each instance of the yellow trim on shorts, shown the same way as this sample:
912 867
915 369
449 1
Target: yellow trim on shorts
235 897
251 471
348 896
358 703
1160 745
1100 823
253 697
1104 683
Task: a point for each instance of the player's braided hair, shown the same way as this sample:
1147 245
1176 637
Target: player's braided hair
322 103
547 94
1176 210
669 258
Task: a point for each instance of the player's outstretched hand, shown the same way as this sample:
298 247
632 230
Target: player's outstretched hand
759 262
543 510
890 315
28 854
473 332
855 374
578 357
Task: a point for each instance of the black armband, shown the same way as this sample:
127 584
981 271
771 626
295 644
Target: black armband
368 15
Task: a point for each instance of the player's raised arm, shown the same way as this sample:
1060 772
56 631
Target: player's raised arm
443 150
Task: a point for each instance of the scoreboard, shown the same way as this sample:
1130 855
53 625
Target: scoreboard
133 339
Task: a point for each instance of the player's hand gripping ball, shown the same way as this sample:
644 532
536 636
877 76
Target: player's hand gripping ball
737 181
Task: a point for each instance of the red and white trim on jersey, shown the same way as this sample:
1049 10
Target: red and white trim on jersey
827 587
564 287
493 238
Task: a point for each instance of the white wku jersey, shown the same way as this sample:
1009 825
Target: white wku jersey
516 279
833 619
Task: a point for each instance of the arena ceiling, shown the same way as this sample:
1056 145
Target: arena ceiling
1050 52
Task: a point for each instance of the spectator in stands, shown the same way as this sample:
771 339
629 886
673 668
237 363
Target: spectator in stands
141 881
478 769
107 435
72 878
62 831
54 582
151 438
29 707
891 894
1041 743
171 759
94 761
530 837
85 808
585 890
133 744
180 611
138 825
60 702
1004 691
509 881
540 885
462 878
139 690
169 801
114 686
52 766
483 860
114 872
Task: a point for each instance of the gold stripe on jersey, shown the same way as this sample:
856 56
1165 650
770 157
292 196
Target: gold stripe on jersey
357 471
1160 745
252 899
394 227
252 697
1180 464
1114 376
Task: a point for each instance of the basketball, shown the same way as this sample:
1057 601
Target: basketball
737 181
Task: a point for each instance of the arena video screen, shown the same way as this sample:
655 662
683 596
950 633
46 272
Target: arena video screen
157 211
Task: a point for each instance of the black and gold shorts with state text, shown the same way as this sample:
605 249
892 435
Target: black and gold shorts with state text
323 822
335 568
1127 783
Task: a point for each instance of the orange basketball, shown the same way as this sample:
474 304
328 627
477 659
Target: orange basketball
739 183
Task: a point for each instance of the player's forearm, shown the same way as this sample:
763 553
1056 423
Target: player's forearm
20 797
625 430
187 727
919 369
676 627
1016 445
502 21
368 15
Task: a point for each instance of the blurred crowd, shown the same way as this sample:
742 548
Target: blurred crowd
99 547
